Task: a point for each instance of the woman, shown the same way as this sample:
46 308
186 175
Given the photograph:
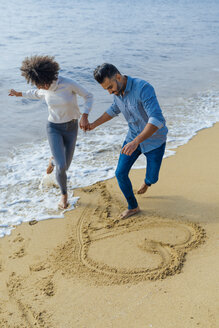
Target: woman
60 94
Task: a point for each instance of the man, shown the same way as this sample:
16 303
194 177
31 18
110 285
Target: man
147 132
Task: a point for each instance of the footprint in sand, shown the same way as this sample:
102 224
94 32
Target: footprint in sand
26 314
18 247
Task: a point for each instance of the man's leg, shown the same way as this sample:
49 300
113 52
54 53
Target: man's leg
142 189
154 160
124 165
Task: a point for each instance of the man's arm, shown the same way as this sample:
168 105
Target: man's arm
102 119
148 131
111 112
156 120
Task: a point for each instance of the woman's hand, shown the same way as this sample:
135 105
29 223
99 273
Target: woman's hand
84 123
12 92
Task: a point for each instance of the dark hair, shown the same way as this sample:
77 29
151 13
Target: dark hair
105 70
40 70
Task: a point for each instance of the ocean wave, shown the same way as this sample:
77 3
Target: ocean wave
95 159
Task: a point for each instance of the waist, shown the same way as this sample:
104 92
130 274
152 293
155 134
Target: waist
74 120
63 127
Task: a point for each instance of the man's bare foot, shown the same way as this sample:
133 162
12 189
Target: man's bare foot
142 189
50 167
63 204
128 213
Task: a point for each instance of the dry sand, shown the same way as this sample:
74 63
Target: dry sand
157 269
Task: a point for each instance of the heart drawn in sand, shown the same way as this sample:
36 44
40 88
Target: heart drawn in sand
137 249
118 251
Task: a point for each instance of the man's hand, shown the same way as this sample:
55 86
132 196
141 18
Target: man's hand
91 126
130 147
84 123
12 92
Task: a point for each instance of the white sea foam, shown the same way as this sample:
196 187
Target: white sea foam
25 195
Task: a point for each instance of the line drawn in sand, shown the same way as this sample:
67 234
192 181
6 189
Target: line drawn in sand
152 247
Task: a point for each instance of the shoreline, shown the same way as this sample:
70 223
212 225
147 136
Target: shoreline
155 269
33 216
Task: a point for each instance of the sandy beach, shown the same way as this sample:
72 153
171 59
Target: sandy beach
158 269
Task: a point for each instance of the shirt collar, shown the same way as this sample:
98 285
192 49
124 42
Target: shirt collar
128 84
54 85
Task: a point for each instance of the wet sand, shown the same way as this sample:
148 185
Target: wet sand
158 269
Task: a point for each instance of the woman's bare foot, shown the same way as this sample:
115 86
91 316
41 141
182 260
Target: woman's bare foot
50 167
128 213
142 189
63 204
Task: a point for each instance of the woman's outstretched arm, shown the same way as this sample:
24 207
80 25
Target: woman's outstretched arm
12 92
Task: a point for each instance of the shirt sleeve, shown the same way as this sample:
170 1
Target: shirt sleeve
151 106
88 96
113 110
33 94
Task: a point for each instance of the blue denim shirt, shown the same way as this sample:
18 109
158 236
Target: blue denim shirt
140 106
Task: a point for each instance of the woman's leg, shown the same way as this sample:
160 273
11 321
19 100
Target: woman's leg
56 142
70 138
50 166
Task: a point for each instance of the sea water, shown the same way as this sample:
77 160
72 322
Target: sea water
171 44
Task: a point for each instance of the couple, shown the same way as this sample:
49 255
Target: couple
135 98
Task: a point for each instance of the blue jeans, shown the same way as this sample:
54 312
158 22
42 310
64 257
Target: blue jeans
62 139
154 159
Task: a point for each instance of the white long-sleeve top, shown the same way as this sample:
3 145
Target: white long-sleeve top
61 98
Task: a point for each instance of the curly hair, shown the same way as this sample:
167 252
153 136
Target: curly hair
40 70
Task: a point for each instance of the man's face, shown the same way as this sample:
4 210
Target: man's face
113 85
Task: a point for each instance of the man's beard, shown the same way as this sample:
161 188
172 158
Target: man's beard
120 88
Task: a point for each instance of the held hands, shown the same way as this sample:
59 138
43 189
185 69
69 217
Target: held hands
84 123
91 126
12 92
130 147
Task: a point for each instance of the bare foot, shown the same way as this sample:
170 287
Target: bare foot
63 204
50 167
142 189
128 213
